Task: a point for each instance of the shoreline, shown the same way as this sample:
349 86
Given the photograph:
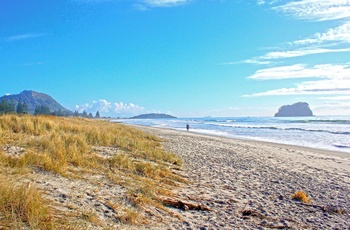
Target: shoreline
249 184
295 147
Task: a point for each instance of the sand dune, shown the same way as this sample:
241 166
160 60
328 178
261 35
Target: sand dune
249 185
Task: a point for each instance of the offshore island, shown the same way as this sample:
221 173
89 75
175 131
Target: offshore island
153 116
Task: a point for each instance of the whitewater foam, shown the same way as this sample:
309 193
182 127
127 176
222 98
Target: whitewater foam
330 133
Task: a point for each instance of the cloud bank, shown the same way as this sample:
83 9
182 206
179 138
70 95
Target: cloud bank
106 108
328 79
318 10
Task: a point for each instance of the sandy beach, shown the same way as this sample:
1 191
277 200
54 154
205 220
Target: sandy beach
249 184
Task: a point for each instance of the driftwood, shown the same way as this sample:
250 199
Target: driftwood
276 226
246 213
176 203
330 208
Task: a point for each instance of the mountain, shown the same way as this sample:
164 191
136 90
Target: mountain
34 99
153 116
300 109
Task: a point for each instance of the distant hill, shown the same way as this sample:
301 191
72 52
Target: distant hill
300 109
153 116
34 99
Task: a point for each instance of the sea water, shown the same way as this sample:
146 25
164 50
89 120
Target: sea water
330 133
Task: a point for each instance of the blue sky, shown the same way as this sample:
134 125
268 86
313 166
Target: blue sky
189 58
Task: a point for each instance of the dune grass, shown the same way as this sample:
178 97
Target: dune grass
67 147
23 206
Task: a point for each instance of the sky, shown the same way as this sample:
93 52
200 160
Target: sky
188 58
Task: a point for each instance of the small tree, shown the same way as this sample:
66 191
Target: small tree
25 107
37 110
42 110
19 107
58 113
97 115
3 106
46 110
11 107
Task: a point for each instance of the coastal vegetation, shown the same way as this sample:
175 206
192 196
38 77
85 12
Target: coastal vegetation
79 150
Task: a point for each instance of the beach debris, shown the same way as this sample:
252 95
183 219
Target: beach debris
333 209
301 196
276 226
248 213
233 200
327 208
177 203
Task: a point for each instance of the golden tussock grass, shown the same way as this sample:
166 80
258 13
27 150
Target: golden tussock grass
55 144
67 146
301 196
23 206
92 218
132 216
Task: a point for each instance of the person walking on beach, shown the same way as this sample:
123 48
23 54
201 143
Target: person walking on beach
187 127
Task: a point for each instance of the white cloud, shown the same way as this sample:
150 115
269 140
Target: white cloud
299 53
23 37
330 79
319 10
267 58
335 98
317 43
94 1
300 71
312 45
335 107
142 4
339 34
164 3
83 107
101 105
249 61
325 87
110 109
120 107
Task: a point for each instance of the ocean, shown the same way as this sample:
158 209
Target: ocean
321 132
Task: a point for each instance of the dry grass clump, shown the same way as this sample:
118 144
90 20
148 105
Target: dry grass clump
23 206
67 147
301 196
131 216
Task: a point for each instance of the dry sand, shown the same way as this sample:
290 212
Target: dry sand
248 184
